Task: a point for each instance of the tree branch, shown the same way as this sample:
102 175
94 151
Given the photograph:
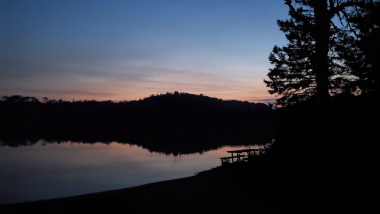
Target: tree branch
342 6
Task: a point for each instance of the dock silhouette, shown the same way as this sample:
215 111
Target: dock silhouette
241 155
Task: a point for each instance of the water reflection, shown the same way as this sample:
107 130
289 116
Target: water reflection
51 169
156 147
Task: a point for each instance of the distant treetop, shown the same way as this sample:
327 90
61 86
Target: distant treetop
164 99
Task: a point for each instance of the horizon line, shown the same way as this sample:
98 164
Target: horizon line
39 98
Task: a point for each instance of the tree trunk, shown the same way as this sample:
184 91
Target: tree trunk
321 63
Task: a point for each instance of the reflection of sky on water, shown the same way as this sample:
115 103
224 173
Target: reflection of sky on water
57 170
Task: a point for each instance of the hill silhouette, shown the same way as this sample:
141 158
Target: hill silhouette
172 123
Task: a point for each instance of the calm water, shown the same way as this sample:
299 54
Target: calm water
43 171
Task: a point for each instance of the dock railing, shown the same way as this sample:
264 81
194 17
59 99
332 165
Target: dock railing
241 155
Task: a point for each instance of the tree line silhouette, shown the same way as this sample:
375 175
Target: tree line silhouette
327 77
332 51
171 123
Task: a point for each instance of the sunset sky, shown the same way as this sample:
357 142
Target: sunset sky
130 49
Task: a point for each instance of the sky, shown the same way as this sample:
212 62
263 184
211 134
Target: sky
131 49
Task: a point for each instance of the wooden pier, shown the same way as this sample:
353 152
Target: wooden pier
241 155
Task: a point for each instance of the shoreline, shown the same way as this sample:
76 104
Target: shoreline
88 194
261 187
209 190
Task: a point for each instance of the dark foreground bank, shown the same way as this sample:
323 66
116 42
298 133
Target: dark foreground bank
259 187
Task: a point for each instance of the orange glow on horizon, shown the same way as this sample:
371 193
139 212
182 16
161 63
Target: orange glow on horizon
257 98
235 88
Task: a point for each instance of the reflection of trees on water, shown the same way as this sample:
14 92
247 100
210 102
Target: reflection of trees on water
172 123
177 160
177 154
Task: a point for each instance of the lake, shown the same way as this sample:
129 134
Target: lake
50 170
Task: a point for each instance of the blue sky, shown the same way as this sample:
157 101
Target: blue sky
127 50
